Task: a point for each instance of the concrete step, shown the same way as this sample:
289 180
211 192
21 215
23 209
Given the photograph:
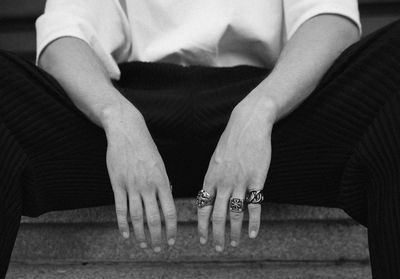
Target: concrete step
294 242
278 240
288 232
187 212
256 270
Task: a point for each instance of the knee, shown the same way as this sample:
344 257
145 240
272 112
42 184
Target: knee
12 67
396 24
5 54
391 33
5 61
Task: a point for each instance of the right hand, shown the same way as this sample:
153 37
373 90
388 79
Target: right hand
137 174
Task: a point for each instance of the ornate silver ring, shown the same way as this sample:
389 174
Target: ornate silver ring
204 198
255 197
236 205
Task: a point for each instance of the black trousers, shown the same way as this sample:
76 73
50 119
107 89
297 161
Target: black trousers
340 148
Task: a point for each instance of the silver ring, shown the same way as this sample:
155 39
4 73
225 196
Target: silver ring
255 197
204 198
236 205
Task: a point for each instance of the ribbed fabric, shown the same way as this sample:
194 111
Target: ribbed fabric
13 161
340 148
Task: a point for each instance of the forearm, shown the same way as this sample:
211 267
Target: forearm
303 61
82 75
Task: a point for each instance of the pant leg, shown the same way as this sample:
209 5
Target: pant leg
340 148
53 158
13 162
356 108
361 100
38 127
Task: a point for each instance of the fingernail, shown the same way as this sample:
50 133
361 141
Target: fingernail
143 245
253 234
218 248
157 249
203 240
233 243
171 241
125 234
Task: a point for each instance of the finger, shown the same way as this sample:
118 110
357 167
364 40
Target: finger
121 209
236 218
169 212
203 217
255 183
219 219
153 220
254 219
136 212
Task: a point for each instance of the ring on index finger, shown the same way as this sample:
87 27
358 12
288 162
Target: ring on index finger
204 198
255 197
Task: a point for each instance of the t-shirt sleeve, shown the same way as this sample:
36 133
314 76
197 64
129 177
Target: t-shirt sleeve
296 12
100 23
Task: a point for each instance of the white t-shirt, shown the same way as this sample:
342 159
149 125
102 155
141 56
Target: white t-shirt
219 33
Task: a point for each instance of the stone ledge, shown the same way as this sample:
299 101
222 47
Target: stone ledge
187 212
277 241
190 271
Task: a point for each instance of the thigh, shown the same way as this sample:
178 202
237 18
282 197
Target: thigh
66 152
312 147
66 163
336 121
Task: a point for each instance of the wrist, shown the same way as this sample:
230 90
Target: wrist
113 115
265 107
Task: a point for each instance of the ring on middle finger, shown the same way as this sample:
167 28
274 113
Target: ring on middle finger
236 205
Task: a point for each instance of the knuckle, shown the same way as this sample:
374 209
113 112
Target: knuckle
136 218
201 228
156 240
121 212
208 181
154 221
122 223
211 176
170 216
140 235
253 206
117 177
218 219
224 184
140 238
202 213
146 189
140 182
236 216
222 198
154 181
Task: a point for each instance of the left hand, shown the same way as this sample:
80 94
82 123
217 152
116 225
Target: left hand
239 163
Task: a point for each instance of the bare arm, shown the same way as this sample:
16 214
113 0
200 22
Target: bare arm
302 63
84 78
134 164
